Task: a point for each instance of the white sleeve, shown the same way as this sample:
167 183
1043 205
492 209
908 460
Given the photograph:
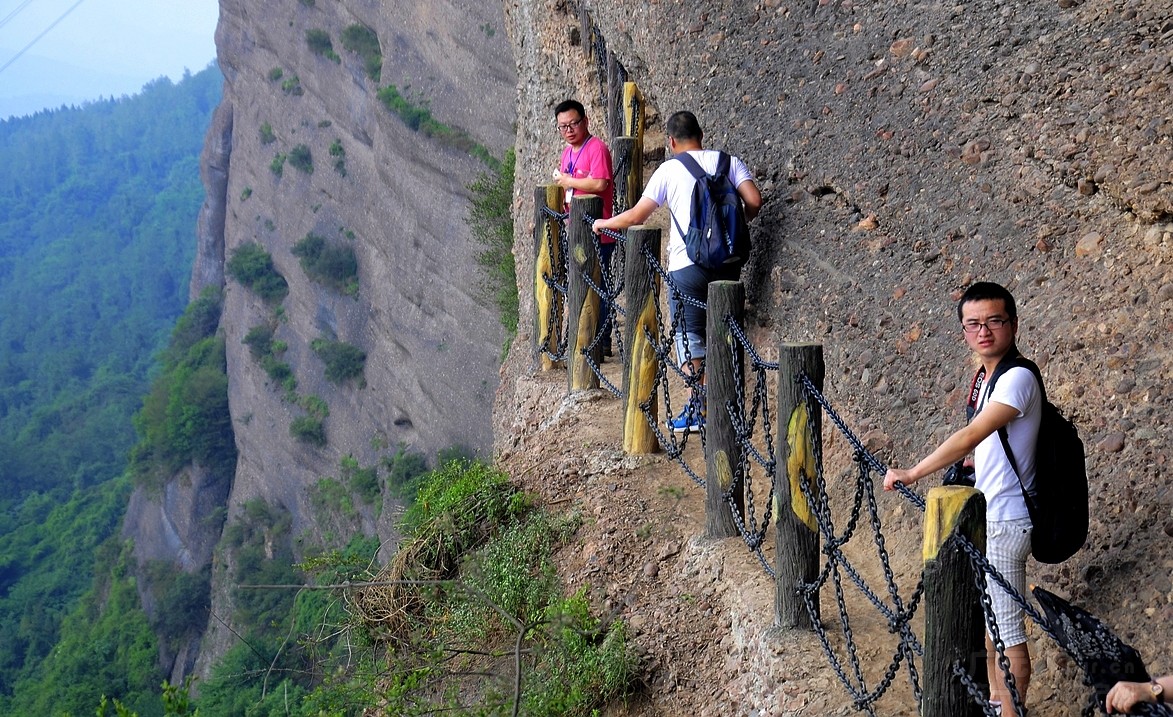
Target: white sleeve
1016 388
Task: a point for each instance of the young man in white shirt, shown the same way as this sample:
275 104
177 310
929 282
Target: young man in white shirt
989 322
672 184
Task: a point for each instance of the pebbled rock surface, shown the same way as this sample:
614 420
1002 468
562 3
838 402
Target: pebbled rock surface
904 151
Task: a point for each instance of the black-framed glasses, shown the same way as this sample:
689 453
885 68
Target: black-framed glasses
972 327
570 125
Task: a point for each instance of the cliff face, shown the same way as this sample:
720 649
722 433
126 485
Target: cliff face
904 150
395 196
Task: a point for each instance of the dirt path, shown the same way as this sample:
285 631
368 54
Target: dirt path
701 610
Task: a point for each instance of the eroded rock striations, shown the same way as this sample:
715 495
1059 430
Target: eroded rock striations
302 145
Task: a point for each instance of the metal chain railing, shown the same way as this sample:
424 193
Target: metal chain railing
744 412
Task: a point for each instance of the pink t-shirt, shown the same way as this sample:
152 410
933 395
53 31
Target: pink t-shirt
593 160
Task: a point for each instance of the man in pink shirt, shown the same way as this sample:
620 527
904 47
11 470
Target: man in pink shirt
586 169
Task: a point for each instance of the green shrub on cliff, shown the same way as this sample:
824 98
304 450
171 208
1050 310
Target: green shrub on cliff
343 361
329 264
491 221
253 267
320 44
301 159
363 41
418 117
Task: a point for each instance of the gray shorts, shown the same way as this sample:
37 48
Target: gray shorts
1007 546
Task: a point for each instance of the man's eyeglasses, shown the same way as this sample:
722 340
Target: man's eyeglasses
972 327
570 126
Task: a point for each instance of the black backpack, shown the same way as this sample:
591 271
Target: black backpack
718 235
1058 505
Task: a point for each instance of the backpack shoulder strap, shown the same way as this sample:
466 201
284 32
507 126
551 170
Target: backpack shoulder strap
722 165
693 167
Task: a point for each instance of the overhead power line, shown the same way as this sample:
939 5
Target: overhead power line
37 39
7 18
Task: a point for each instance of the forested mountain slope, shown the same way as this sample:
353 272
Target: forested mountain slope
97 217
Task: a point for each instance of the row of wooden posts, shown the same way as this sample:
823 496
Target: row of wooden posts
953 615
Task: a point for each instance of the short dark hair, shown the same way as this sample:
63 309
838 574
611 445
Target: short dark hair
567 105
683 126
988 290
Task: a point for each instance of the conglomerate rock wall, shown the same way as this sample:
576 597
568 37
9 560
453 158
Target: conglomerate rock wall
906 150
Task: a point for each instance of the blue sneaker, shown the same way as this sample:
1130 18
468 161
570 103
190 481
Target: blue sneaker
690 420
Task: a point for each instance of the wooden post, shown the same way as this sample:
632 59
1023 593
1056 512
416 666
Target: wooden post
547 260
634 119
796 539
626 160
954 627
583 304
615 80
639 367
722 451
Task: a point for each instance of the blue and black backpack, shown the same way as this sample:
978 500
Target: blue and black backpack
718 235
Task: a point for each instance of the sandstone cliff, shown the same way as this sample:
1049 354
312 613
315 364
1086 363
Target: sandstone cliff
398 198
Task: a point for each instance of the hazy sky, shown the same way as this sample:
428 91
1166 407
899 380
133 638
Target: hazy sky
98 48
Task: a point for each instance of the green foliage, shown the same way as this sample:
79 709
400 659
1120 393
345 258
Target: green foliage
301 159
308 429
419 119
466 495
267 136
97 206
246 193
329 264
343 361
307 3
330 496
315 406
182 600
253 267
259 340
581 663
105 647
277 166
513 572
471 526
319 43
275 74
364 482
184 419
292 86
405 471
491 221
338 152
364 41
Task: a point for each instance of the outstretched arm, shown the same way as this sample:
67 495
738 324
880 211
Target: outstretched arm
636 215
991 418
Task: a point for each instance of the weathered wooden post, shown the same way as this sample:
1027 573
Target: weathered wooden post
722 451
796 539
952 601
639 367
633 126
624 151
547 261
583 305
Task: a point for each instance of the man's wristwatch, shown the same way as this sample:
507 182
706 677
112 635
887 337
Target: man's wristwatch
1158 692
